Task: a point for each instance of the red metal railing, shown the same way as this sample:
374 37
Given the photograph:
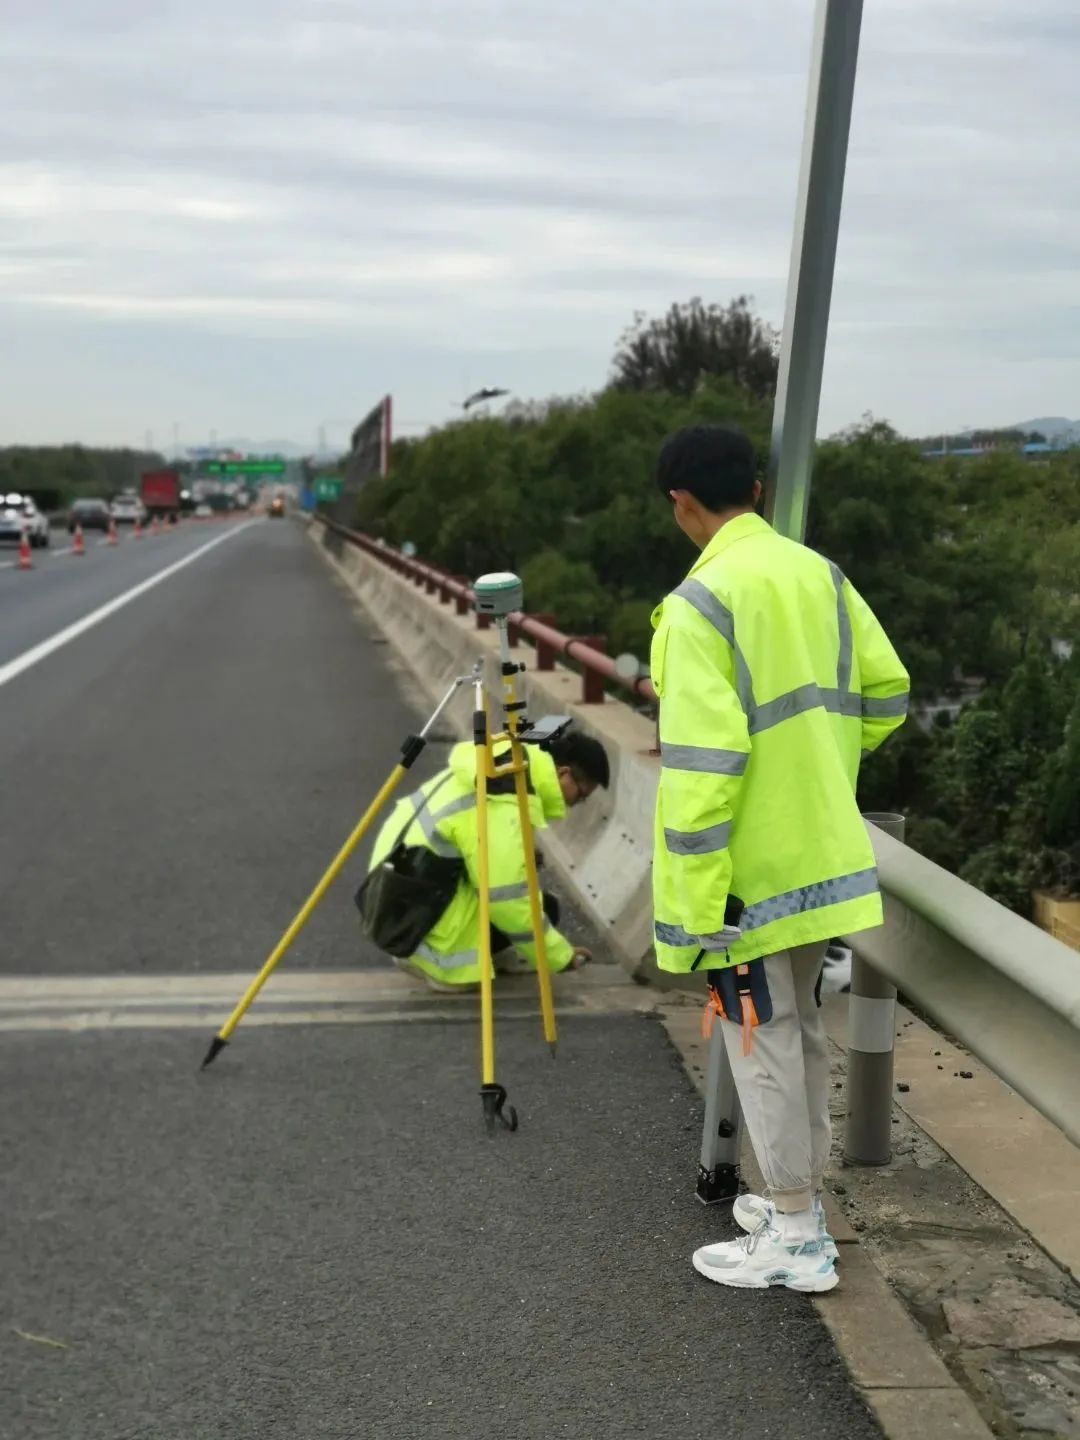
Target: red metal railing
587 651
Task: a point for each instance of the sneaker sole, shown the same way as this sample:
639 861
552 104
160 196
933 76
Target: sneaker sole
437 987
805 1284
749 1220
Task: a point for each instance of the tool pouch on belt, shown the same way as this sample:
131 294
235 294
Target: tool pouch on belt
739 992
403 898
742 993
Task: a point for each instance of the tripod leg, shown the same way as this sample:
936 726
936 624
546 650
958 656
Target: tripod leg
303 915
718 1171
487 1022
536 912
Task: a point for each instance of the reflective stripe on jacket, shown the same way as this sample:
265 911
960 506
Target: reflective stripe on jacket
773 677
448 826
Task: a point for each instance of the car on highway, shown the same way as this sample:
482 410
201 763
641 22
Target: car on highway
20 516
89 514
277 507
127 509
203 511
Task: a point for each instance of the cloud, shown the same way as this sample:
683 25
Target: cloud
407 196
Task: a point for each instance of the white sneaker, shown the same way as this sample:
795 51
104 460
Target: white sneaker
439 987
757 1261
509 962
750 1210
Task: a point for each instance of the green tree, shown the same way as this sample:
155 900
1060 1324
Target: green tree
567 589
694 340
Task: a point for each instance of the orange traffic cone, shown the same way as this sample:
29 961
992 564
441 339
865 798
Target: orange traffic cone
77 546
153 526
111 538
25 563
137 534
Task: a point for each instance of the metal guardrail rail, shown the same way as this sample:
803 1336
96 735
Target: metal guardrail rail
1005 989
587 651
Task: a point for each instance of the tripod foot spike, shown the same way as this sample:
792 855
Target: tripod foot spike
494 1098
216 1047
554 1048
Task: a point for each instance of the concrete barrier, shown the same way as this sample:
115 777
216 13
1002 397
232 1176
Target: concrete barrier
603 850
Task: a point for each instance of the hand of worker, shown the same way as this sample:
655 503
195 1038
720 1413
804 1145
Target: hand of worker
722 940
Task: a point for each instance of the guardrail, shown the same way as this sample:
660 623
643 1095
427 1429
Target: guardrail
587 651
1004 988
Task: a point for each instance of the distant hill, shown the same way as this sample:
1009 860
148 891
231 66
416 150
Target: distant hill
1055 427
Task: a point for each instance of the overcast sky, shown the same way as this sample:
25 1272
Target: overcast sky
255 217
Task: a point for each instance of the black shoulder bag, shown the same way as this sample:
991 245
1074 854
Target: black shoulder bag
402 899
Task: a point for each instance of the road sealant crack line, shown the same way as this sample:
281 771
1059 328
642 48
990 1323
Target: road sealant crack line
78 1003
45 648
419 1012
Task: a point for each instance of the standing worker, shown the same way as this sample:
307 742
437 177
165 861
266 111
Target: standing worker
440 819
774 678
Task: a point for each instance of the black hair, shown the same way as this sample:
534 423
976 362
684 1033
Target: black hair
585 757
715 463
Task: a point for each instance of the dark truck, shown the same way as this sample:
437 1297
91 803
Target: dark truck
160 493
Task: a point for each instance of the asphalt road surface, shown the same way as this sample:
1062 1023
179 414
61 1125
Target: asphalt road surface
178 777
314 1238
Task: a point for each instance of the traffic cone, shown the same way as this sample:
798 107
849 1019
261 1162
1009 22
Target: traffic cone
153 526
137 533
25 563
111 538
77 546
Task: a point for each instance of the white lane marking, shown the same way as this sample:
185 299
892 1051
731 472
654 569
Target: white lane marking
63 637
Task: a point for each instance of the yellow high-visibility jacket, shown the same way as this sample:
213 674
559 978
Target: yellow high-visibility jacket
774 677
447 825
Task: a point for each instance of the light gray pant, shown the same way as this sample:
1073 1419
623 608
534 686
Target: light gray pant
783 1083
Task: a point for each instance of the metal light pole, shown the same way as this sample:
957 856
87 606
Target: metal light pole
489 392
834 53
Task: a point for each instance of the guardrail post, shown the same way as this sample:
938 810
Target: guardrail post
592 683
545 653
461 605
871 1041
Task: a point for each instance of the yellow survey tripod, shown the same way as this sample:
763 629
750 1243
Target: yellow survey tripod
499 596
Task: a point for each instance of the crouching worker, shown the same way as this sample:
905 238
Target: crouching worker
424 908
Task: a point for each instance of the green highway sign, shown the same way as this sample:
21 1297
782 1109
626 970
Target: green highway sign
327 487
243 467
